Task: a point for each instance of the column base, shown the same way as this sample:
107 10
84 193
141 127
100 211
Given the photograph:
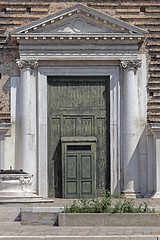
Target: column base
152 195
130 194
156 195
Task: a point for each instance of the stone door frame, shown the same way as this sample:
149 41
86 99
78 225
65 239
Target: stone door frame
111 70
105 47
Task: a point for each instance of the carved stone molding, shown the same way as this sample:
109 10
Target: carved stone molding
131 64
21 180
33 64
24 181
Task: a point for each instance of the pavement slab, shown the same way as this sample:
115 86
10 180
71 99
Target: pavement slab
16 229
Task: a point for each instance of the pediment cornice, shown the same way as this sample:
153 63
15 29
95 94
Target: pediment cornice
79 22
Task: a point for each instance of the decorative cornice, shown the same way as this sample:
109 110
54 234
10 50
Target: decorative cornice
79 36
82 12
131 64
33 64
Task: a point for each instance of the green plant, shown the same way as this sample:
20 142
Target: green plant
104 205
117 195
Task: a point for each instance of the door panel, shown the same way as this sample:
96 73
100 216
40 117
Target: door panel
72 176
79 175
86 175
72 162
87 124
86 167
72 189
71 122
78 106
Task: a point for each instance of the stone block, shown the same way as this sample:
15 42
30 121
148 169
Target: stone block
40 216
107 219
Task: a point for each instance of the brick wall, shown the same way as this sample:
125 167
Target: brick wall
141 13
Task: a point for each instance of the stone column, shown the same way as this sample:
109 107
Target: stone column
2 139
4 128
150 163
28 116
155 129
131 127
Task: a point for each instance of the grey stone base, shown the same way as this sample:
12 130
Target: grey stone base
40 215
107 219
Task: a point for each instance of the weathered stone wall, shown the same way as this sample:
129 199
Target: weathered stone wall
8 54
141 13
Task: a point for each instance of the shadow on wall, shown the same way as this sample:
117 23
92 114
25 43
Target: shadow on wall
58 171
7 85
136 171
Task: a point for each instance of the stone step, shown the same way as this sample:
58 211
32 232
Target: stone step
10 207
137 237
40 215
9 214
18 200
17 231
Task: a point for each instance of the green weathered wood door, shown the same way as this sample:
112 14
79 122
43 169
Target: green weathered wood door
78 167
78 177
77 106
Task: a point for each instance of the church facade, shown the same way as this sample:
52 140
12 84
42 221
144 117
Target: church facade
84 105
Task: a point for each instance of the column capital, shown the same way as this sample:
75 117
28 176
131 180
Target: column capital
33 64
131 64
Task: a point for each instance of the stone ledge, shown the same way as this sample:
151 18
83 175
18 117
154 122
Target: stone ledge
40 215
11 199
108 219
42 209
77 237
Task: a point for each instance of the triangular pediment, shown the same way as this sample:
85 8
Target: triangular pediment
77 25
78 21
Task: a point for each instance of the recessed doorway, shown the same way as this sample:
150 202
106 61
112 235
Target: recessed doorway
78 106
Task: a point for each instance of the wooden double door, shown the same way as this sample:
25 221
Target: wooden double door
78 107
